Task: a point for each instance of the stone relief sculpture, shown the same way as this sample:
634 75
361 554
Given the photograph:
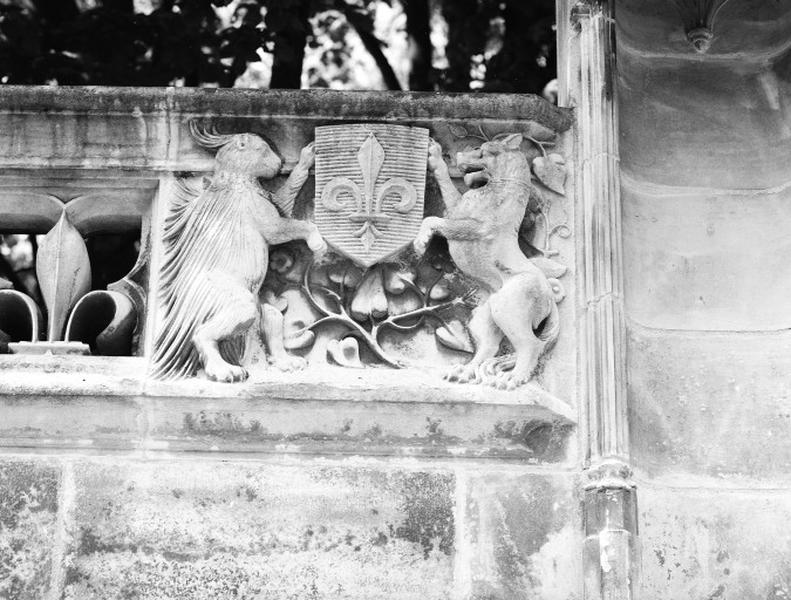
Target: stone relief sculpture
378 297
216 254
482 227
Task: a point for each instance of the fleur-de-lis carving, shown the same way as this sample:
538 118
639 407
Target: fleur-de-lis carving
369 201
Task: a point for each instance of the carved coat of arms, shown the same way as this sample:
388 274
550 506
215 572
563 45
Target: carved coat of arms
370 186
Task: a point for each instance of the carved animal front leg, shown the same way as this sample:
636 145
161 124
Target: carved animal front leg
272 326
428 228
450 229
286 196
234 319
281 231
438 166
487 337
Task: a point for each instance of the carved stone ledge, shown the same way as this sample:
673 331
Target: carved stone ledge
144 129
105 403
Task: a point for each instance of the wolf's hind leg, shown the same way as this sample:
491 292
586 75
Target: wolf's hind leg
522 308
487 337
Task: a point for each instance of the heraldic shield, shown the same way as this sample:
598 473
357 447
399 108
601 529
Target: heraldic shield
370 188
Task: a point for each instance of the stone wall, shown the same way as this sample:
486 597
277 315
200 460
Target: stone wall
704 155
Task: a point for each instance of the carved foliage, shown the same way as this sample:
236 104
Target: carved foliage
64 273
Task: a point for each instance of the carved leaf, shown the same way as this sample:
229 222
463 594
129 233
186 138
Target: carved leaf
396 280
64 273
551 171
343 273
549 267
399 304
441 291
370 299
455 337
303 340
345 352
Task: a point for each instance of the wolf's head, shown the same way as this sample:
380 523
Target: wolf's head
499 158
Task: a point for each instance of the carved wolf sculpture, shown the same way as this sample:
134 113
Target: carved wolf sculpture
482 229
216 258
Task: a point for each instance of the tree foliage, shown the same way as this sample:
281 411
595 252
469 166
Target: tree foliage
492 45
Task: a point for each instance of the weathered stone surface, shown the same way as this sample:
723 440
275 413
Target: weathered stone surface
146 128
745 31
715 543
709 402
520 538
722 266
191 529
28 527
102 402
76 421
717 124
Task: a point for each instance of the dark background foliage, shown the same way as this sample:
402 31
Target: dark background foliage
190 42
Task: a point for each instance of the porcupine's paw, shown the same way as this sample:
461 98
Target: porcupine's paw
288 363
219 370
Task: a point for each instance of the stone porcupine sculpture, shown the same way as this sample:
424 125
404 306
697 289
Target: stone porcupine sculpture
216 256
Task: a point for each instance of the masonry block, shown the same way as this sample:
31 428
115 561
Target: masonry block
194 529
28 527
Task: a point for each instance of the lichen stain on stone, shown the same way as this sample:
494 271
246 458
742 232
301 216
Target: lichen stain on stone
28 506
660 556
427 504
236 531
221 424
717 593
26 487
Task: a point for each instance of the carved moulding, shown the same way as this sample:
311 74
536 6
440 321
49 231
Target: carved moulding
699 17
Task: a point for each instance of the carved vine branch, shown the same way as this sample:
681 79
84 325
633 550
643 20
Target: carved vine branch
370 336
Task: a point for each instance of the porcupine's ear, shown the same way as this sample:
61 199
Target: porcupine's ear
208 138
242 140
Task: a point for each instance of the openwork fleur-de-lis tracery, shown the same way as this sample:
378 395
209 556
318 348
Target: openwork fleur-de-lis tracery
368 201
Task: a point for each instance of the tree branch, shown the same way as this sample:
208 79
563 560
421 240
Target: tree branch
364 28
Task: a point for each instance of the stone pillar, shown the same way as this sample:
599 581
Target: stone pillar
586 33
